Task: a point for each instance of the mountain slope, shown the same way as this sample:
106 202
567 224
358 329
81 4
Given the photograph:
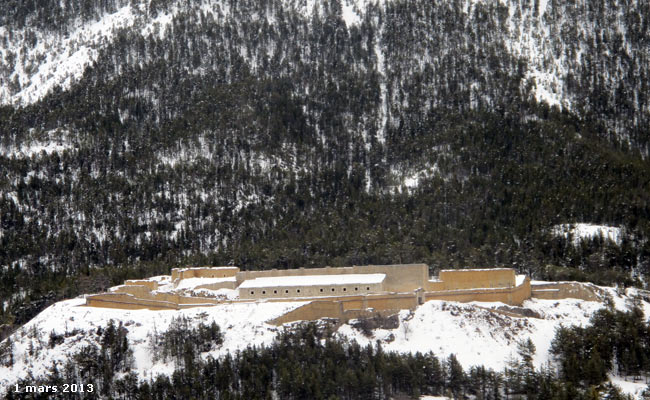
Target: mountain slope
283 134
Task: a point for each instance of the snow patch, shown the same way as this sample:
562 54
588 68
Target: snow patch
584 231
520 279
191 283
350 14
411 180
629 386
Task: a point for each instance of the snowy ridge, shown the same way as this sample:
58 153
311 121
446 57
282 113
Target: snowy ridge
242 324
475 334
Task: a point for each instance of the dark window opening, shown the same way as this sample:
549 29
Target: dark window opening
252 292
345 290
321 290
286 291
263 291
368 288
297 290
332 289
275 292
356 288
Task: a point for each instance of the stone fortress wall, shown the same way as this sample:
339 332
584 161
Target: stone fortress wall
156 301
321 290
512 295
563 290
151 285
399 277
215 277
204 272
402 287
455 279
348 307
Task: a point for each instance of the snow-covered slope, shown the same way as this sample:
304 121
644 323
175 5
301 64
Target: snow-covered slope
42 60
242 325
37 60
472 332
475 335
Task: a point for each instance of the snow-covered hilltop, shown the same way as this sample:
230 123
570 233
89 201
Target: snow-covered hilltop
477 333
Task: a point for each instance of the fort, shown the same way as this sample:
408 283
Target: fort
341 293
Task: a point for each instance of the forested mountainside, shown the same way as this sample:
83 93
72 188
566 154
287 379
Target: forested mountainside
137 135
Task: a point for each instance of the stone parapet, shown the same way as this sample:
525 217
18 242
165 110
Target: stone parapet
349 307
204 272
514 296
151 301
564 290
477 278
151 285
126 301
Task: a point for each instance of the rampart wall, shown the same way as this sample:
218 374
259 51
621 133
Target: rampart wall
399 277
140 297
513 295
135 290
348 307
124 301
204 272
563 290
434 285
474 278
151 285
342 306
295 292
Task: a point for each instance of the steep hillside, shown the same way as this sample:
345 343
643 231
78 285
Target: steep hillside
139 134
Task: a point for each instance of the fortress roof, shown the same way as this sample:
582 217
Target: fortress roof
313 280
